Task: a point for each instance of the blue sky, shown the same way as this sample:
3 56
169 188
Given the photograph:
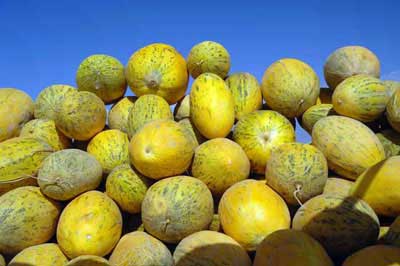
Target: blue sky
43 42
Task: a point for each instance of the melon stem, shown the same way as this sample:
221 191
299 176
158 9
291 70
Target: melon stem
297 191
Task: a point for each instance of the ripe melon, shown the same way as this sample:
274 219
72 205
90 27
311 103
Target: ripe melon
393 111
391 86
182 108
81 115
378 255
341 224
66 174
16 109
392 236
315 113
48 254
176 207
161 148
349 146
360 97
250 210
291 247
91 224
297 172
336 186
140 248
28 218
290 87
208 56
246 93
220 163
350 61
210 248
379 187
119 113
158 69
103 75
211 106
88 260
259 132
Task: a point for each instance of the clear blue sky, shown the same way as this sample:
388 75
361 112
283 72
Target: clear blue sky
43 42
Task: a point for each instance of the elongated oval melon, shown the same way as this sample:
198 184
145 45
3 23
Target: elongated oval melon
393 111
315 113
349 146
48 254
375 255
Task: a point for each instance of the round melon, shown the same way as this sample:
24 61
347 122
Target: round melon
28 218
208 56
119 113
336 186
66 174
158 69
146 109
377 255
291 247
393 111
49 100
246 93
290 87
48 254
161 148
192 131
379 187
102 75
110 148
350 61
182 108
391 86
88 260
392 237
220 163
259 132
349 146
250 210
81 115
16 109
140 248
176 207
46 130
297 172
91 224
315 113
211 106
210 248
360 97
127 188
341 224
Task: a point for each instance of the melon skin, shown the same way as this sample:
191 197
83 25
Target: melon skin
290 86
297 168
315 113
360 97
119 113
182 108
342 225
303 250
350 61
336 186
390 140
48 254
176 207
88 260
192 131
377 255
393 111
379 187
347 155
210 248
391 86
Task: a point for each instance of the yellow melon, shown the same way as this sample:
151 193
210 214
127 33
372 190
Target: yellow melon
119 112
88 260
338 186
393 111
391 86
48 254
192 131
378 255
182 108
315 113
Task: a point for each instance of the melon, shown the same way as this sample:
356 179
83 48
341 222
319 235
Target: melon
336 186
315 113
211 106
28 218
297 172
210 248
140 248
360 97
341 224
182 108
88 260
349 146
119 113
91 224
161 148
192 131
259 132
103 75
246 93
393 111
390 140
16 109
208 56
250 210
290 86
176 207
379 187
48 254
377 255
392 237
274 250
391 86
158 69
66 174
350 61
220 163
